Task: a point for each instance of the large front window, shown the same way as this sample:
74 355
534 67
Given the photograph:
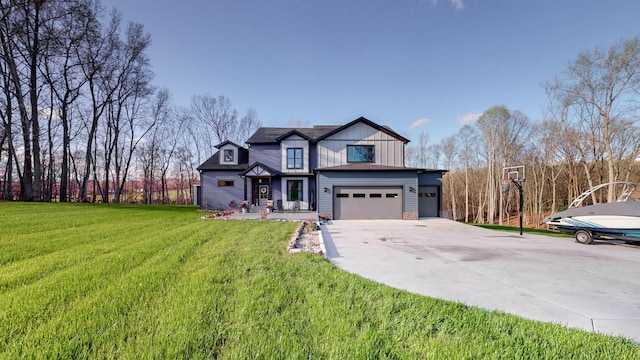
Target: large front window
294 190
294 158
361 154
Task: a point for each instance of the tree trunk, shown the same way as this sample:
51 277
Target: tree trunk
33 91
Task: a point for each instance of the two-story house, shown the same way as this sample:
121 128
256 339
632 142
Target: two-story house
352 171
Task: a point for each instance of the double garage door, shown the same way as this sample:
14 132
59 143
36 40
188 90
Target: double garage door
350 202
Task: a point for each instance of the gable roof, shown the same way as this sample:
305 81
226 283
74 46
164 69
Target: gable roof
273 135
293 132
259 167
385 129
226 143
213 163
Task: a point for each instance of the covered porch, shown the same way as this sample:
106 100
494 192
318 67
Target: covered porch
285 192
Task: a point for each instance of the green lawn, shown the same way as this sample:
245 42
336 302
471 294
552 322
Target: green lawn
143 282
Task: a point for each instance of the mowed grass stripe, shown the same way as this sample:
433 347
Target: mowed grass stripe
95 323
268 299
29 306
179 304
81 249
27 246
33 218
56 233
191 321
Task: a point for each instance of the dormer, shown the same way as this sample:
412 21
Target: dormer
294 150
229 153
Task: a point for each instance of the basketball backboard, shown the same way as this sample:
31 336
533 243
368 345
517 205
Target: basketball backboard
513 173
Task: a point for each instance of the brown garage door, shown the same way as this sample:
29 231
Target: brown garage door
367 202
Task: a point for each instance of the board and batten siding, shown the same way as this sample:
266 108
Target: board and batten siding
218 197
330 179
294 141
332 151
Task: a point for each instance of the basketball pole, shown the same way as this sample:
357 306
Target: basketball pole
515 175
519 186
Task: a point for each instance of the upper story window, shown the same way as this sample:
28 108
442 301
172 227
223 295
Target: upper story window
228 155
361 154
294 158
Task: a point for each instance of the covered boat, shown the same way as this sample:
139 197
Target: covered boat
618 220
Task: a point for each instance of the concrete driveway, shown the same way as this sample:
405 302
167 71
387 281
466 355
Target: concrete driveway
591 287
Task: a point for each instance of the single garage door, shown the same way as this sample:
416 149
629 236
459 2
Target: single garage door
428 201
367 202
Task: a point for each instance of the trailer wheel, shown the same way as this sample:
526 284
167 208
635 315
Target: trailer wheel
584 237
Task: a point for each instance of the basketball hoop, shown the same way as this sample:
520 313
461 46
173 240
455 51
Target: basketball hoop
515 175
506 185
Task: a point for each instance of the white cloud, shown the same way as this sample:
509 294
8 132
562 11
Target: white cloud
457 4
468 118
419 122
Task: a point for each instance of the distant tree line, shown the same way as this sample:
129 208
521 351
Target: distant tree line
80 117
80 120
590 135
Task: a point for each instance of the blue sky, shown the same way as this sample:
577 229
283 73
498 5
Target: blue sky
415 65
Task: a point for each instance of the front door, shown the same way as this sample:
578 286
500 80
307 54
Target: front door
263 195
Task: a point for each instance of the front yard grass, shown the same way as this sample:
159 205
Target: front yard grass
142 282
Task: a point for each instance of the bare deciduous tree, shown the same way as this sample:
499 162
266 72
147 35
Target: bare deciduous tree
602 84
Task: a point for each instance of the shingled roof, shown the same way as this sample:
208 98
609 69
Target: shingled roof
272 135
384 129
213 163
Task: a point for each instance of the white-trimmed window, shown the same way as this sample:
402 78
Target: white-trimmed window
228 155
294 190
294 158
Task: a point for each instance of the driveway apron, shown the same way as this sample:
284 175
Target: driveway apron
590 287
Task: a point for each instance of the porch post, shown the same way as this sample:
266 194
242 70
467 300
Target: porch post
245 188
269 195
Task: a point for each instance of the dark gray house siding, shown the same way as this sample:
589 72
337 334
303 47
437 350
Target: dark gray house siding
313 157
431 178
218 197
268 154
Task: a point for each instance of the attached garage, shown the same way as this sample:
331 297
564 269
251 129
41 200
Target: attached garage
353 202
369 191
